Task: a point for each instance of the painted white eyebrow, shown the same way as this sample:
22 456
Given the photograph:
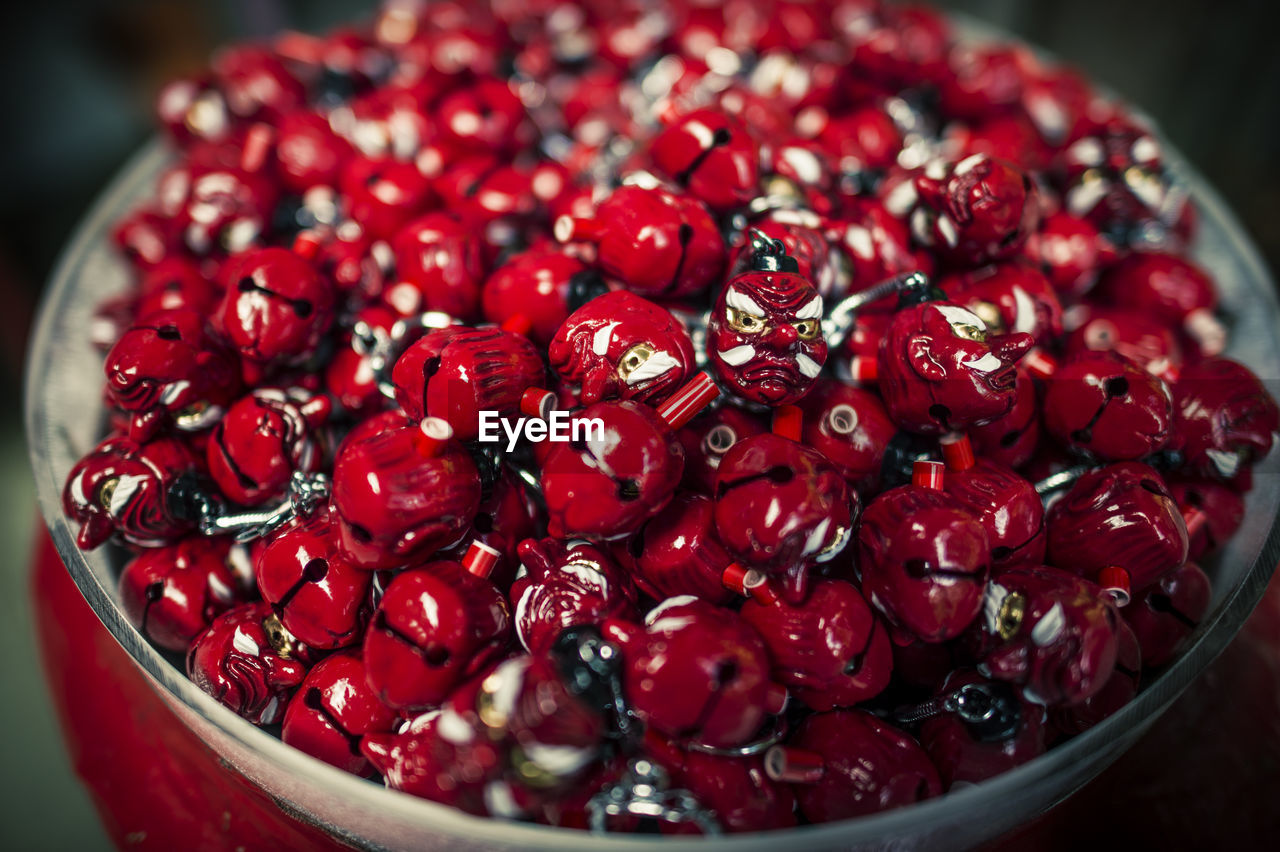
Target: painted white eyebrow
601 339
740 301
811 310
957 315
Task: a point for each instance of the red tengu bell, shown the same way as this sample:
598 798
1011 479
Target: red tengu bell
831 651
1048 631
1115 178
562 585
546 717
1123 516
962 756
924 560
1221 506
454 373
708 437
397 499
620 345
276 308
438 259
1118 691
781 505
435 626
848 763
1011 439
123 488
172 593
1226 420
319 596
737 789
607 483
696 671
332 710
262 440
850 427
659 244
975 211
249 663
1008 508
711 155
1104 405
764 338
940 370
1171 289
1169 612
1136 335
539 284
678 553
1010 296
1070 251
799 231
439 757
169 369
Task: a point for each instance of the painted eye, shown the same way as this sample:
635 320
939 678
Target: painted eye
969 332
745 322
988 313
1012 611
106 491
807 329
633 358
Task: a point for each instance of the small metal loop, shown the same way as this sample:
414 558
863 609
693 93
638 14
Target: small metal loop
383 348
838 323
757 746
642 792
1062 479
307 492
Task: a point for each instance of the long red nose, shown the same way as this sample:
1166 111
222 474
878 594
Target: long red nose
1010 347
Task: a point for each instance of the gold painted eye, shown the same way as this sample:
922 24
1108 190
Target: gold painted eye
969 332
807 329
1012 610
106 491
990 314
633 358
745 322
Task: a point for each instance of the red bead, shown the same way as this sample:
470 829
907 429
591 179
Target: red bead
868 766
830 651
697 671
332 710
924 560
1119 515
620 345
1106 406
171 594
319 596
435 626
562 586
1048 631
395 506
248 663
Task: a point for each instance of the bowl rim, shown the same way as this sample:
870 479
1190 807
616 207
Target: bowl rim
1212 635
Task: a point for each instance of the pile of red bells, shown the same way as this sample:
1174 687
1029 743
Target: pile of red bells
817 562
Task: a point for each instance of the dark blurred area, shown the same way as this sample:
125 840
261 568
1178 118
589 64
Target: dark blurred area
79 78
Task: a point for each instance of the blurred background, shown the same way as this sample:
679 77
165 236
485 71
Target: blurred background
79 78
